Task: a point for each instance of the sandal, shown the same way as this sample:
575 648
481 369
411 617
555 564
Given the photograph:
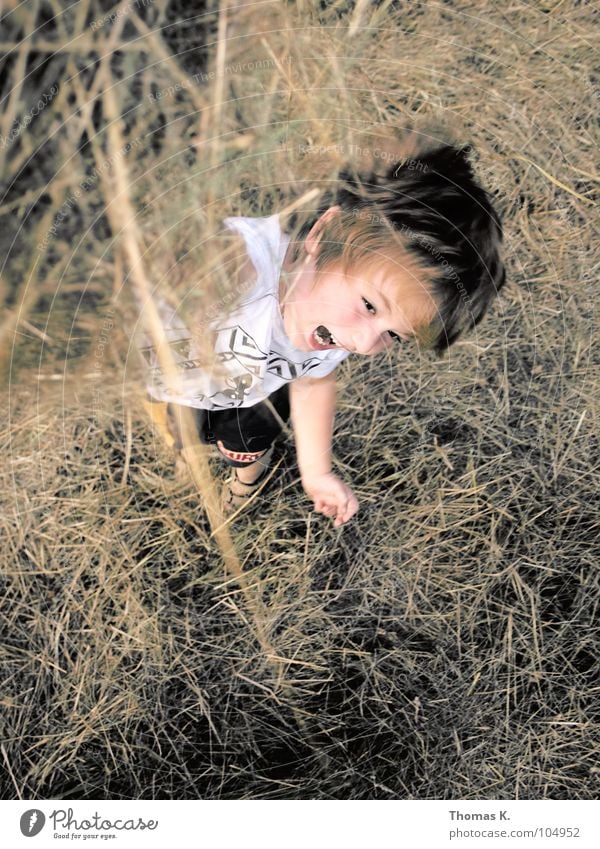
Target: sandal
236 494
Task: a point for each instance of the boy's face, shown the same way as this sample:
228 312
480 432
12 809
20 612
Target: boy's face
365 312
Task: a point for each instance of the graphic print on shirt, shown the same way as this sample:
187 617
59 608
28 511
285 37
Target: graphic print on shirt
237 389
234 344
287 369
181 350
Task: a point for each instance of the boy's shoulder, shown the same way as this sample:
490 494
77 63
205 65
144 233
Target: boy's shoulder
263 224
261 235
257 243
242 265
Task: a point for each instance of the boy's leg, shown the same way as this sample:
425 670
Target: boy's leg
244 434
165 419
249 474
244 481
250 470
157 410
245 438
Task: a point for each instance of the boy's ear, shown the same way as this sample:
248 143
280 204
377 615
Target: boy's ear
311 243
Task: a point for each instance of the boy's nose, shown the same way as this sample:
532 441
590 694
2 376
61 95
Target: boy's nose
364 340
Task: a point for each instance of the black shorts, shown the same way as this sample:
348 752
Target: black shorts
245 432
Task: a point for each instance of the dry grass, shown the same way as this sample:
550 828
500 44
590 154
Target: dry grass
441 645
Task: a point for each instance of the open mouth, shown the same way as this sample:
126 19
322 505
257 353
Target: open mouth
324 338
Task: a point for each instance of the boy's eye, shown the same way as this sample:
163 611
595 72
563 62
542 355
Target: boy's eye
372 310
369 306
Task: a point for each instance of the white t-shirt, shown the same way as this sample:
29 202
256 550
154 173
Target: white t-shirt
252 350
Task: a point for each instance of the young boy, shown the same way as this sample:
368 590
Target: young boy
410 254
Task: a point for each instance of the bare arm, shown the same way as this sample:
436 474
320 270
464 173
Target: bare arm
312 409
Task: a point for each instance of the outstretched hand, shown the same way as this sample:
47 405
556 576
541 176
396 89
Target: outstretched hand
332 497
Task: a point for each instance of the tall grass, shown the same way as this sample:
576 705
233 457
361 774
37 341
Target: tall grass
443 643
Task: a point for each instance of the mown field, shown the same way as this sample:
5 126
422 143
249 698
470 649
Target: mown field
443 643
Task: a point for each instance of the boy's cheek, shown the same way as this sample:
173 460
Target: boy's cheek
384 345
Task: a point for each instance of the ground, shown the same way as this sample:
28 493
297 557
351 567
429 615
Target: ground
442 644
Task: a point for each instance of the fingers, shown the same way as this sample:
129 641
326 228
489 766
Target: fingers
347 513
334 499
342 509
326 507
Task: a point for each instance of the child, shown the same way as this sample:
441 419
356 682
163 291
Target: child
407 254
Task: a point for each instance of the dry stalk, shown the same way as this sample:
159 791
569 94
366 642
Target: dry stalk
443 645
28 292
196 459
14 97
158 48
